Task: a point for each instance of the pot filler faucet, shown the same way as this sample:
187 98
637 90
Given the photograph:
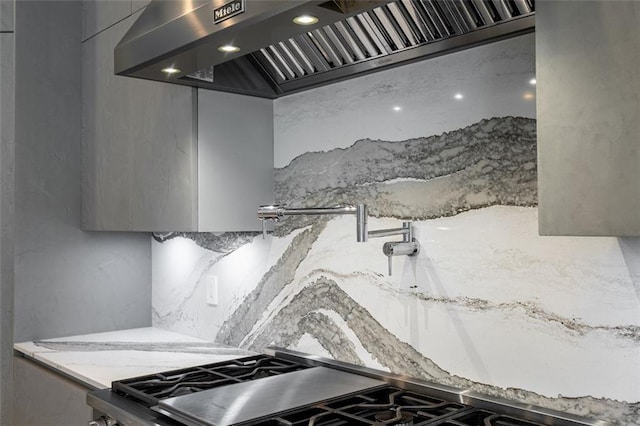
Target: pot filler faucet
409 246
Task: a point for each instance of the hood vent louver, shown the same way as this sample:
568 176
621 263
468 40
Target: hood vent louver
386 35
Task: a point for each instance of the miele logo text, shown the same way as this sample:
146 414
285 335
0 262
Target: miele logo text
228 10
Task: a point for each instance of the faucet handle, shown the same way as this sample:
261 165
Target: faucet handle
390 263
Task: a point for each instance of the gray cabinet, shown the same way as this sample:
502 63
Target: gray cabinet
588 111
162 157
138 146
6 15
7 144
42 397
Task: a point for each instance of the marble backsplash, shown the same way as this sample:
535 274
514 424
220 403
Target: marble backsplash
487 304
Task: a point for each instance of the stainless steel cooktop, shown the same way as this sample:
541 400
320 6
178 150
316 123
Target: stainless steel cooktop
287 388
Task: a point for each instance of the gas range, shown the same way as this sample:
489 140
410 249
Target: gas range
288 388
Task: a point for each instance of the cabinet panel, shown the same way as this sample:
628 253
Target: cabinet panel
138 146
42 397
7 210
588 109
235 160
6 15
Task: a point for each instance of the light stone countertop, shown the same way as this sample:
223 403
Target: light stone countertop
98 359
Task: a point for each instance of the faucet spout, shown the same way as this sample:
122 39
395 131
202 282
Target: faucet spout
275 212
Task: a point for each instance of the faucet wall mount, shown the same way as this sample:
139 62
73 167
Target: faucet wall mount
409 246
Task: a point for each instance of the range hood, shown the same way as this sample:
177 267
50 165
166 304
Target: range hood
278 57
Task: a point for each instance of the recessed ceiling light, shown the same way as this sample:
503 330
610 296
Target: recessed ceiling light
229 48
397 108
305 20
528 96
170 70
458 96
532 82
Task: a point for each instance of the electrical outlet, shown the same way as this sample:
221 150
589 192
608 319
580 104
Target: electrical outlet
212 290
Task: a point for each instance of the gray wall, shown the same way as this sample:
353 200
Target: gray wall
66 281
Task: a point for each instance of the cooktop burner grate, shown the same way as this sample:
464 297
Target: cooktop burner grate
387 406
478 417
154 387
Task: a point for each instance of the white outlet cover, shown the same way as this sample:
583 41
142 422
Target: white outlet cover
212 290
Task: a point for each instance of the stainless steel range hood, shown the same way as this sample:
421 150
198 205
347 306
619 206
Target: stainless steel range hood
278 57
